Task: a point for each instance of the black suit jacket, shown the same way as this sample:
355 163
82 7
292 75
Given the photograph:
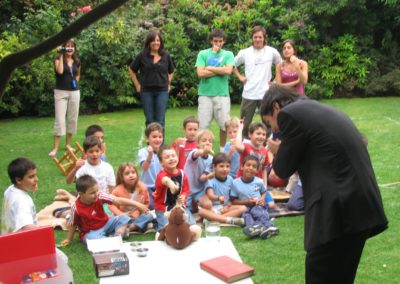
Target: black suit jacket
340 190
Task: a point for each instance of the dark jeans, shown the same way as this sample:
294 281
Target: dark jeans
255 215
335 262
155 105
296 200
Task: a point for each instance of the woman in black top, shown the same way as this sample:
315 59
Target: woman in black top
67 69
151 73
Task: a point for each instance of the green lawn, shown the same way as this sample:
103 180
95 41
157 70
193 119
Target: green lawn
278 260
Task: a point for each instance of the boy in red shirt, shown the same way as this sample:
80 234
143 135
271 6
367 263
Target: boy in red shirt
184 145
258 137
172 187
88 214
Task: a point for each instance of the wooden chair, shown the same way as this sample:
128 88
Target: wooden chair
68 159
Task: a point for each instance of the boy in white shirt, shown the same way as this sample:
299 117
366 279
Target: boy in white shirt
94 166
19 212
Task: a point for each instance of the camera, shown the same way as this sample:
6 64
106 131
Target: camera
64 49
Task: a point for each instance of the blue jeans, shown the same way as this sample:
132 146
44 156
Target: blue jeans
113 223
162 221
194 197
151 190
296 200
142 221
155 105
255 215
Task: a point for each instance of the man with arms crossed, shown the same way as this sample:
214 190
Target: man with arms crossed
214 65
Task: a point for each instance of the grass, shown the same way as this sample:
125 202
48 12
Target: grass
278 260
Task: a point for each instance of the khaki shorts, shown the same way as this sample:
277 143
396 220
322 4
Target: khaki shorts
218 108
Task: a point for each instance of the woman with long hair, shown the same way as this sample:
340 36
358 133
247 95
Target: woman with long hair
67 69
292 72
151 73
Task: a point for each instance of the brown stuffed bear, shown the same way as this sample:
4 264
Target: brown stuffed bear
178 233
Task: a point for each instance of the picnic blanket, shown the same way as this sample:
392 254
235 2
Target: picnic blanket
283 211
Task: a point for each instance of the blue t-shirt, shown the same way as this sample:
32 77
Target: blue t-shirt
194 168
148 177
235 160
245 190
220 187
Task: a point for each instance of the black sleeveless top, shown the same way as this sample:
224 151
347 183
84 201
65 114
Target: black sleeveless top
63 81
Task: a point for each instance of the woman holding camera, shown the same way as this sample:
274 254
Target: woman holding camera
67 69
151 73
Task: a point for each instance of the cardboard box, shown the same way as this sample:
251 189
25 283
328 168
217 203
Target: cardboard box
111 264
107 258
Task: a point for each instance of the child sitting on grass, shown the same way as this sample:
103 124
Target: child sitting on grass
129 186
258 137
88 214
232 127
249 190
97 130
94 166
148 159
19 211
172 187
218 191
184 145
198 168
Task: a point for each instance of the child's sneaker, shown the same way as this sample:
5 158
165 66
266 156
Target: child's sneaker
269 232
237 221
253 231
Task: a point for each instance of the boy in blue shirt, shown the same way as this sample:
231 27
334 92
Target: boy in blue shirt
198 169
218 190
148 159
249 190
232 128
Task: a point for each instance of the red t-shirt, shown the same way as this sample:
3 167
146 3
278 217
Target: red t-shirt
164 200
183 148
261 154
90 217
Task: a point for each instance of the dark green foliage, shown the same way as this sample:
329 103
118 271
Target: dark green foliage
352 46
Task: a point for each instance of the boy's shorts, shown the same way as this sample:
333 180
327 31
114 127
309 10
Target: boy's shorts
218 107
113 223
217 208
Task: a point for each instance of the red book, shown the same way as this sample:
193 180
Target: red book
227 268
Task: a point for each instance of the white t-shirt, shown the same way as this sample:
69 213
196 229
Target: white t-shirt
18 210
103 173
257 68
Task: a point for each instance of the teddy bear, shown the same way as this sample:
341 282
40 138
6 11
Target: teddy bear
178 233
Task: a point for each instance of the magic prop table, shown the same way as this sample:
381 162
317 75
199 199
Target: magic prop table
164 264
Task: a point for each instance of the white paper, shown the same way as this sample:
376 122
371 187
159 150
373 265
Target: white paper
110 244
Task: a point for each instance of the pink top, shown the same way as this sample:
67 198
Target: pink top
290 76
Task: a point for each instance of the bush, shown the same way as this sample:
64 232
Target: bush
385 85
340 63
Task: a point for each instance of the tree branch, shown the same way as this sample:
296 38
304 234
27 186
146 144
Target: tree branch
9 63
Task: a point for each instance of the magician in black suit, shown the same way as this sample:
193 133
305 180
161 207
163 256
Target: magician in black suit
343 205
